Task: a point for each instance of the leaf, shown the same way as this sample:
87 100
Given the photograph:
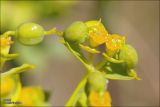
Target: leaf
17 70
112 59
77 49
89 49
120 72
76 53
118 77
133 73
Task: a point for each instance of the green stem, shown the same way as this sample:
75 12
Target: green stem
77 55
101 64
5 57
8 56
9 33
91 58
53 31
74 97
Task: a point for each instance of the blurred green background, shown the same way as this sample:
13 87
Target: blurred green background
57 70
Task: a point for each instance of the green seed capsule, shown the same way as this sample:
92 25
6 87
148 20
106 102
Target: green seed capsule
96 82
129 55
30 33
76 32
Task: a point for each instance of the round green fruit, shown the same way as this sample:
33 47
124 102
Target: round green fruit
76 33
30 33
129 55
96 82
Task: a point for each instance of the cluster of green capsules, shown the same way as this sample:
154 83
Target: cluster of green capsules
117 61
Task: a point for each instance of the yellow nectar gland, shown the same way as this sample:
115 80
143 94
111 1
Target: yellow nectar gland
7 85
97 100
5 41
115 42
97 34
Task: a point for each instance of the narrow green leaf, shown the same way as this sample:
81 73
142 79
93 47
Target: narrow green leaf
89 49
78 55
112 59
118 77
17 70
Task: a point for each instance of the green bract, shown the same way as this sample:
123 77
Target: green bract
30 33
129 55
76 32
97 82
82 101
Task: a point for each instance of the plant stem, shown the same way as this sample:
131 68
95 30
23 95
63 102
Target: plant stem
91 58
9 33
101 64
53 31
74 97
77 55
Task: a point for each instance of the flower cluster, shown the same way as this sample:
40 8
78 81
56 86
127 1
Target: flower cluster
118 60
117 63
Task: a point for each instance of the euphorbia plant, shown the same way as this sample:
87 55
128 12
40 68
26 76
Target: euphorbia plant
117 62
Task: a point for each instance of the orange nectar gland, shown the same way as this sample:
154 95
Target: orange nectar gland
7 85
97 33
5 41
97 100
114 42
